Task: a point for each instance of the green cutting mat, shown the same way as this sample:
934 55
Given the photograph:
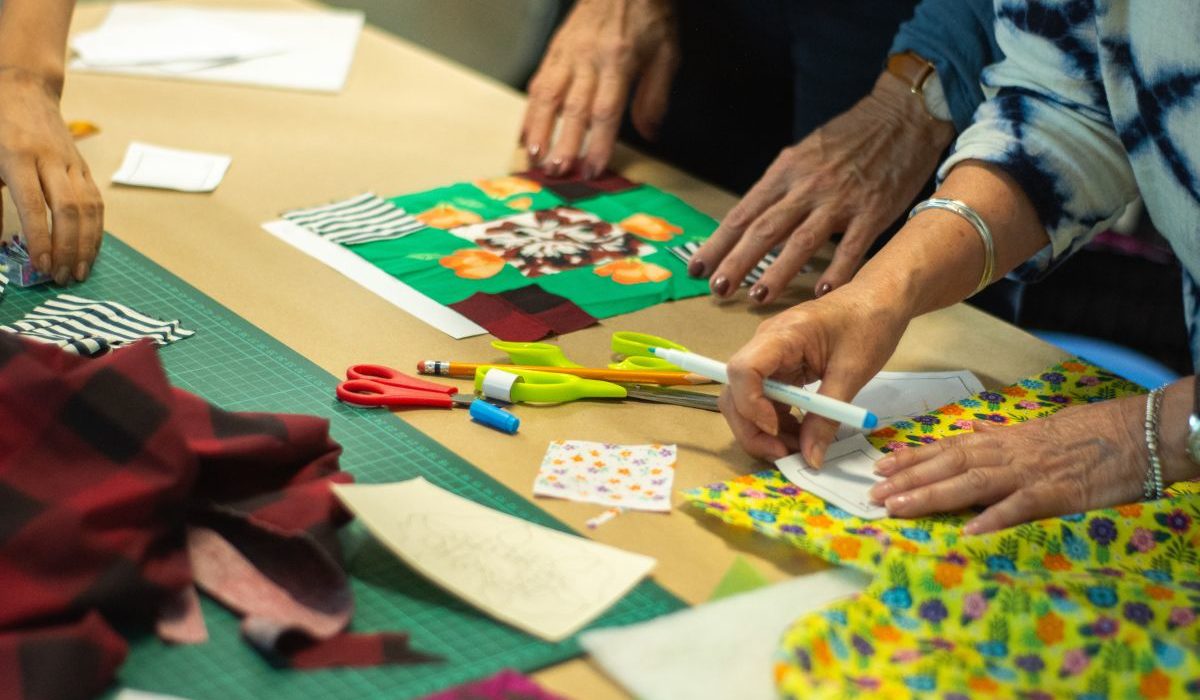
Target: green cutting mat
238 367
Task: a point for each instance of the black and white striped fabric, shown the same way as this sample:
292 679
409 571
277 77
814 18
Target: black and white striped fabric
687 250
362 219
90 327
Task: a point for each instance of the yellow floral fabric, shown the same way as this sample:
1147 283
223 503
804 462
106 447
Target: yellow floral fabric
1094 605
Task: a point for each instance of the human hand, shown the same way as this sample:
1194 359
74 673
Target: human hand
43 170
855 174
843 339
586 76
1076 460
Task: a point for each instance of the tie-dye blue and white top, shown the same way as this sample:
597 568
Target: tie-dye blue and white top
1096 101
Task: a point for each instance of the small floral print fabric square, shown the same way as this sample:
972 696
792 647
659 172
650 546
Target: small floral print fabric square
1094 605
553 240
629 476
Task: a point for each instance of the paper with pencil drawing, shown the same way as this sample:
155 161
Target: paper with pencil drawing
844 480
545 582
896 395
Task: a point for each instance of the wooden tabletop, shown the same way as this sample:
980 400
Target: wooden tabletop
409 120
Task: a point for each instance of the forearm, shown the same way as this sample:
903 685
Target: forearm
937 258
33 38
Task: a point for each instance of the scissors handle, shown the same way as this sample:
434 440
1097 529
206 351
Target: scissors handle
386 375
548 387
367 392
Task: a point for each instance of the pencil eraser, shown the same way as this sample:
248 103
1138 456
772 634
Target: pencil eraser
494 417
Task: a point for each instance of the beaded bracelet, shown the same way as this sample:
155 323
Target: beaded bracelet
1152 487
985 234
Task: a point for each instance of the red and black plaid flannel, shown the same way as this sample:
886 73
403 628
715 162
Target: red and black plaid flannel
109 476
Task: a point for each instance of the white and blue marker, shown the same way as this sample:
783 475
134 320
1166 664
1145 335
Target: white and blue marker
789 394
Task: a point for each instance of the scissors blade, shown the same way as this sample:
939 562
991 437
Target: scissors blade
675 397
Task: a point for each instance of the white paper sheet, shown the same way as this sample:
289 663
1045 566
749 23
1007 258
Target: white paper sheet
896 395
171 169
717 650
545 582
297 50
131 694
145 35
844 480
392 290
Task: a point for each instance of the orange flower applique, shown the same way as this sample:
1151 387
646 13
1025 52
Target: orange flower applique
446 217
633 271
650 227
507 186
520 203
473 263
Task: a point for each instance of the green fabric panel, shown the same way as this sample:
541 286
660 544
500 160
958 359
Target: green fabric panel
741 577
464 195
651 200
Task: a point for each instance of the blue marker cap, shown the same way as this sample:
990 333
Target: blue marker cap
870 421
494 417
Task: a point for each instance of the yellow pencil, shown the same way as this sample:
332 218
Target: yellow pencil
442 368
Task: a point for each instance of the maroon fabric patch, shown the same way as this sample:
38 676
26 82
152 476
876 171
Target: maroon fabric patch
118 469
572 187
525 314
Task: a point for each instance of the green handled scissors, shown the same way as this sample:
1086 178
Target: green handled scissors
634 347
532 386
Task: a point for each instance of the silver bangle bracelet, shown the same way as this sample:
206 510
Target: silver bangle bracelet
1152 487
981 227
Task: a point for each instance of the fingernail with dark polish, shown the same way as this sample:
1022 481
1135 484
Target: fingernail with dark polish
44 264
81 271
720 285
62 275
824 289
758 293
696 268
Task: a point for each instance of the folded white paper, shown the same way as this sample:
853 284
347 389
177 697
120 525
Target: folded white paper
719 650
291 49
171 169
896 395
545 582
844 480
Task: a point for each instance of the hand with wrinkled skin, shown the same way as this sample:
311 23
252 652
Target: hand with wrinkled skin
856 174
843 339
42 168
1078 459
601 50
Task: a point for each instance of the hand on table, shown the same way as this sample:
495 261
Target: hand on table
44 171
843 339
602 48
855 174
1076 460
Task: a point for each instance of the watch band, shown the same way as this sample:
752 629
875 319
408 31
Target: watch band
914 72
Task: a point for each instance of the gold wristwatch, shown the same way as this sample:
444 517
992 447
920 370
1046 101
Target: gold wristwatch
922 80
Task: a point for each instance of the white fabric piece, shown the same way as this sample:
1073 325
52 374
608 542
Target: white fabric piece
368 276
718 650
171 169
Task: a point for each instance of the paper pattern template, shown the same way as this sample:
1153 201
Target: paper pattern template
630 476
545 582
719 650
552 240
844 480
171 169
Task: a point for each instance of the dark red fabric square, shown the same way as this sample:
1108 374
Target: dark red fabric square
526 314
572 187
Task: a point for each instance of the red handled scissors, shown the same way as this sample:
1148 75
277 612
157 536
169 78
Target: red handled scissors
376 385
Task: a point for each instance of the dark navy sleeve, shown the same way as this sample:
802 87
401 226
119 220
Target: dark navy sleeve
958 37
